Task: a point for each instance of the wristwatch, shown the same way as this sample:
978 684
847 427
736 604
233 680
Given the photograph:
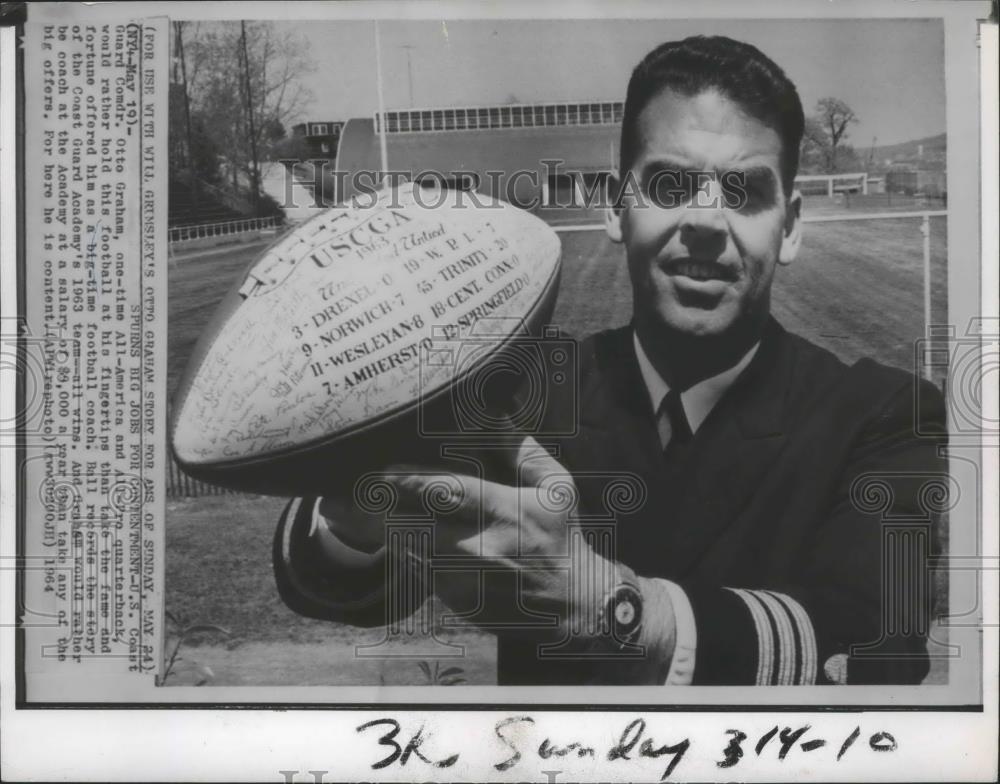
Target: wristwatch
622 614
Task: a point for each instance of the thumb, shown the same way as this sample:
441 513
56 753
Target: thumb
535 466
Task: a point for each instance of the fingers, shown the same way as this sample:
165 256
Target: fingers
457 499
472 516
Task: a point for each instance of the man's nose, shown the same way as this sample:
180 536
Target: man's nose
702 223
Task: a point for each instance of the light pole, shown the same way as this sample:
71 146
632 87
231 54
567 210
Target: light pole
409 69
381 101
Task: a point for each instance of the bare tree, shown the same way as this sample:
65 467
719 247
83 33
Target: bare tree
244 86
815 145
834 115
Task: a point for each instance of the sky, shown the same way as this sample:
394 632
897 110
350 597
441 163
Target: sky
890 71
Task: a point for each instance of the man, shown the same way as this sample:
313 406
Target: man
750 559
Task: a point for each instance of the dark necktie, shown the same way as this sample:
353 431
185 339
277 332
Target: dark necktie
673 424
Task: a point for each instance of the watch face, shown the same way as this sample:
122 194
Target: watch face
627 612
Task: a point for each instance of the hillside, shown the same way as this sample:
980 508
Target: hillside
933 157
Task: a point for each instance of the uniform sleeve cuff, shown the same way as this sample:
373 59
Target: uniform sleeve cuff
681 671
756 637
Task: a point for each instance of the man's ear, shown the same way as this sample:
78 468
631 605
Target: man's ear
791 237
613 211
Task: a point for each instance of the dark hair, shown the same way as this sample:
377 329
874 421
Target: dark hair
738 70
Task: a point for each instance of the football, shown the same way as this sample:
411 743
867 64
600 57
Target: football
368 335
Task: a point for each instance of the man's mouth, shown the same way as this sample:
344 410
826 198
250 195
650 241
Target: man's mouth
700 270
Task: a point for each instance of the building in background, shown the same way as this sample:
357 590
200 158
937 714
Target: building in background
907 178
917 168
528 154
321 138
544 155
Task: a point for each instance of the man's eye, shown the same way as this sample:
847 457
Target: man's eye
670 188
746 191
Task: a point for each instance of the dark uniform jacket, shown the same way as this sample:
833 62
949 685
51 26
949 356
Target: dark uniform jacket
796 519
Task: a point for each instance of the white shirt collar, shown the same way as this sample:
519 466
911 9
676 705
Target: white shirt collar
699 400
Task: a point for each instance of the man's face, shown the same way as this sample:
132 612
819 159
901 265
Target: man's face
702 258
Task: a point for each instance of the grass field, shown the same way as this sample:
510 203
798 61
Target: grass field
855 289
219 571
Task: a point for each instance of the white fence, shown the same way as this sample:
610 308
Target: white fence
203 231
847 181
